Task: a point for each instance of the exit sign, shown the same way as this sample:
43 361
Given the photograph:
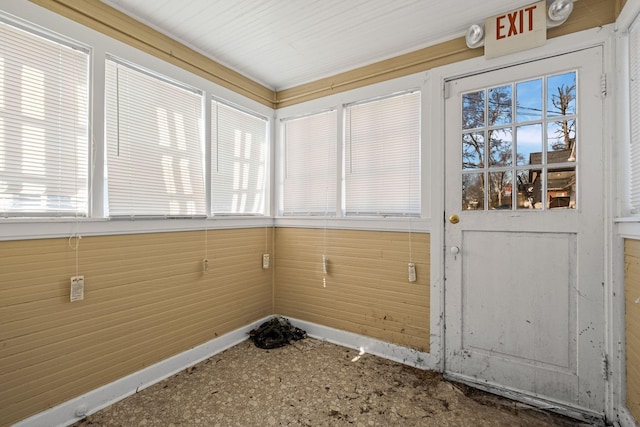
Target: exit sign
517 30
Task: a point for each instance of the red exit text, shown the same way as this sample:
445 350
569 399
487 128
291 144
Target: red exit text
517 22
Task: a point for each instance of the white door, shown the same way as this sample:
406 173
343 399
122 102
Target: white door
524 201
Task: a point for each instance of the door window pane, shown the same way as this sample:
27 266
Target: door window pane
500 105
500 189
544 134
473 150
529 101
561 95
529 189
529 144
561 188
473 191
473 110
501 147
561 140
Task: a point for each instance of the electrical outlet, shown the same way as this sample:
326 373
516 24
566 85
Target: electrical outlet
77 288
265 261
325 267
412 272
205 266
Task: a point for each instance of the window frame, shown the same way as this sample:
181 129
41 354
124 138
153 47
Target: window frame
326 212
346 142
429 167
155 79
98 223
209 159
633 105
62 41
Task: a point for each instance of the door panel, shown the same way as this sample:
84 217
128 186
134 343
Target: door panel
524 285
524 258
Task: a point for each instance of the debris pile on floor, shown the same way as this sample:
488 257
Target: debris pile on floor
276 332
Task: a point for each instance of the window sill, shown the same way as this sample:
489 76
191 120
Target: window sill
49 228
418 225
39 228
628 227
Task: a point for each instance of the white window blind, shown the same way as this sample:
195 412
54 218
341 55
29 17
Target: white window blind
238 161
382 156
634 85
310 164
44 93
155 147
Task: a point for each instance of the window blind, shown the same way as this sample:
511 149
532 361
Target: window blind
155 147
238 161
44 92
310 165
634 86
382 156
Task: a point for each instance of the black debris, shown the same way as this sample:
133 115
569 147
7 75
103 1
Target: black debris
276 332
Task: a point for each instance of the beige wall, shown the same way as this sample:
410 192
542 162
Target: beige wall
367 291
146 299
632 317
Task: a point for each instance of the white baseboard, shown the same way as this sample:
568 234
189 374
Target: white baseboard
75 409
625 419
383 349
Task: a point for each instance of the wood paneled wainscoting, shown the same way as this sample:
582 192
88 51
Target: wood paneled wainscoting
366 288
632 318
146 298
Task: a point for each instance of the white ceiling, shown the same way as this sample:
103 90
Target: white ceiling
284 43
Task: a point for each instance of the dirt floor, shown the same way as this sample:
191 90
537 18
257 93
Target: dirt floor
313 383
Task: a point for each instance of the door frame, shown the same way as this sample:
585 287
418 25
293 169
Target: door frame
622 229
435 121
